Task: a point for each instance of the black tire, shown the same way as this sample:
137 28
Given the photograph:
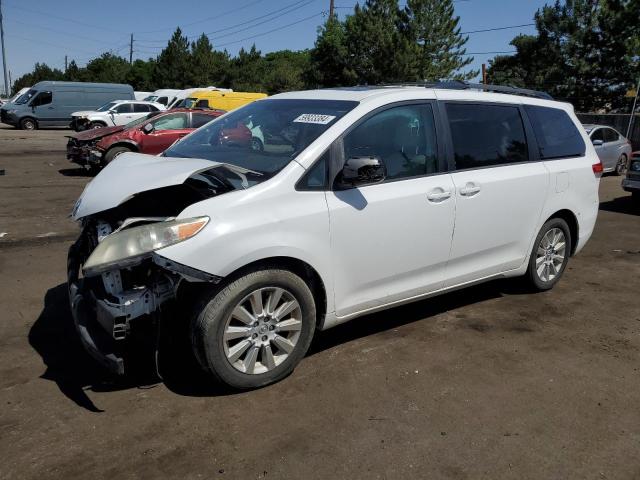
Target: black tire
635 197
113 153
94 125
210 321
621 165
532 277
256 144
28 123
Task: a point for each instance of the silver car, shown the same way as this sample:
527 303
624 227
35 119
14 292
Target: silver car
613 148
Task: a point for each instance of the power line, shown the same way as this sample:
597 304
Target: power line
498 28
60 31
273 30
63 18
289 8
215 17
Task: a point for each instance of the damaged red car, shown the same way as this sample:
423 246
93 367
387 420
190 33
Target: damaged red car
151 135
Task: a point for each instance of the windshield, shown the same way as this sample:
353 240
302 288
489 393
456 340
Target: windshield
151 98
106 107
26 97
263 136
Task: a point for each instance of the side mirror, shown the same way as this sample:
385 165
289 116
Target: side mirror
597 143
147 128
364 170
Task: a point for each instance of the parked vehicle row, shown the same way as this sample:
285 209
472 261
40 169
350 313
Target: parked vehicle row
152 134
94 105
361 199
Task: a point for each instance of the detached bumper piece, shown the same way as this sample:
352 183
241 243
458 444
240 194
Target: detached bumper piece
78 152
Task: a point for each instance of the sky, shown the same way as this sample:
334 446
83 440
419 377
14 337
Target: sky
47 30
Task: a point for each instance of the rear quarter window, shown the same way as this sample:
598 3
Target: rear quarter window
555 132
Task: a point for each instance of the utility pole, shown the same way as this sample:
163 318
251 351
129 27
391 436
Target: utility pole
4 57
633 109
484 73
131 50
331 8
66 65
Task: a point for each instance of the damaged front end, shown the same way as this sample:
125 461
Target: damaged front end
119 283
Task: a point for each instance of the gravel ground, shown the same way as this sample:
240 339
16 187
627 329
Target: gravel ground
488 382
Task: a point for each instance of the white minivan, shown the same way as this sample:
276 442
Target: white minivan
362 199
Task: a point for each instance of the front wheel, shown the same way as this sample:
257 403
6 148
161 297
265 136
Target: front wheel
113 153
550 254
255 330
28 124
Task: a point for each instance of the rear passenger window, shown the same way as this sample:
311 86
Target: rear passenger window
403 137
485 135
162 100
199 119
555 132
610 135
140 107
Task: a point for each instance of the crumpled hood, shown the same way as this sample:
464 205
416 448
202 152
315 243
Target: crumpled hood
132 173
96 133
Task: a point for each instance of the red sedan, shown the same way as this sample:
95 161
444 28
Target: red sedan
152 136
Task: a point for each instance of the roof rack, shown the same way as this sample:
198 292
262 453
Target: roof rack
460 85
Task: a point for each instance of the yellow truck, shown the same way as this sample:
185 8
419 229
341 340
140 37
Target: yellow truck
220 99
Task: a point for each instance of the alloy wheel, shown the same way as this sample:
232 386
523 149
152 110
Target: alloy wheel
621 166
551 254
262 330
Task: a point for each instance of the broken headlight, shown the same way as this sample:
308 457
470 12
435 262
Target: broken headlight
128 247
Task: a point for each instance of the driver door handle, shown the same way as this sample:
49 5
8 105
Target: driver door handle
438 196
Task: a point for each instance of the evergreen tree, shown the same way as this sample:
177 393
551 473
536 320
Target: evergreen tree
378 52
248 71
173 64
586 52
437 46
107 68
330 60
203 63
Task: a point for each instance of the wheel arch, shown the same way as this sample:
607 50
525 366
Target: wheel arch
125 143
572 221
301 268
29 117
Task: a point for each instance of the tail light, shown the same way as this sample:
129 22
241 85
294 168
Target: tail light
597 168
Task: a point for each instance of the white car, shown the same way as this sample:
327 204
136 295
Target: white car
111 114
371 197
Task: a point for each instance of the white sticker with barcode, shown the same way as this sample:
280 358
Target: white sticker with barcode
316 118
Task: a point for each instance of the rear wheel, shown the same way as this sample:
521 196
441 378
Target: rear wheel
254 331
550 254
28 124
621 166
94 125
113 153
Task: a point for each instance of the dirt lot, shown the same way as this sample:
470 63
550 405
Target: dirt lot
489 382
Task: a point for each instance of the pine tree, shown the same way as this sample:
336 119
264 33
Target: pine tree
438 47
173 64
330 59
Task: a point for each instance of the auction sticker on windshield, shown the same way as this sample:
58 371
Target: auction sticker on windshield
316 118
